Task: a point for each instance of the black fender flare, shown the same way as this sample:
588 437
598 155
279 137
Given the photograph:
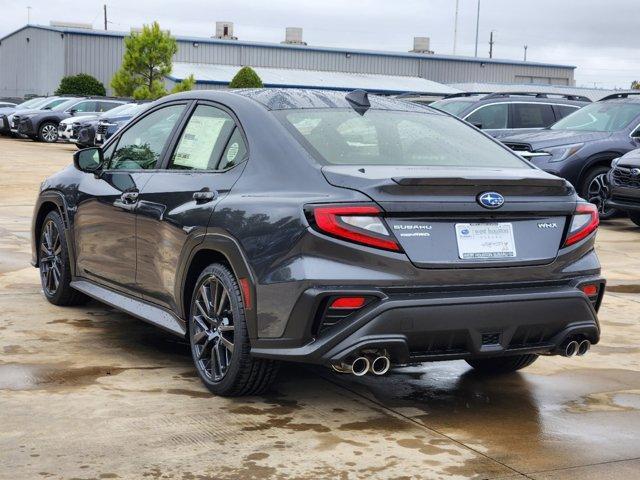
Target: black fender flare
57 198
593 160
223 243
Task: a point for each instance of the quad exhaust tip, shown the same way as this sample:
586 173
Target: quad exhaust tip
360 366
571 348
583 348
380 365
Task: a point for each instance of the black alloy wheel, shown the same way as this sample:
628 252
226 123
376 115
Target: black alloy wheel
596 191
51 263
212 332
219 337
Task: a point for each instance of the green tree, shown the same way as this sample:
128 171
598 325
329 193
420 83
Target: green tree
246 78
147 60
81 84
185 85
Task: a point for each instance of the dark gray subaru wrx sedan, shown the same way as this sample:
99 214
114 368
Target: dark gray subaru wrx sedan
349 231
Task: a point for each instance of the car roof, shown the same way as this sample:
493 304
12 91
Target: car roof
298 98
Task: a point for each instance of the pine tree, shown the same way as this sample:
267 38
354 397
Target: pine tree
147 60
246 78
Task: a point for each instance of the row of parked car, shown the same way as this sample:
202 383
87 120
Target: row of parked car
85 121
591 144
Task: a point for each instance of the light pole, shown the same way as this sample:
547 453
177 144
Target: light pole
455 28
477 27
525 52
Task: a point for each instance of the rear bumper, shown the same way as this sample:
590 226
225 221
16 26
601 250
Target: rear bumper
450 325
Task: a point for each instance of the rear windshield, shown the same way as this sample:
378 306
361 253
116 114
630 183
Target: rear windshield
454 107
600 117
383 137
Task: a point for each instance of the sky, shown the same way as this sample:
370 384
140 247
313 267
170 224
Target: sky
599 37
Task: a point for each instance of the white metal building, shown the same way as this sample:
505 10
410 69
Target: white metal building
34 58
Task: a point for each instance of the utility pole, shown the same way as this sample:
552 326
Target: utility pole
455 28
525 52
105 15
491 42
28 15
477 27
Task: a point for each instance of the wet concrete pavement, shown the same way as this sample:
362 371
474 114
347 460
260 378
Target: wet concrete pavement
89 392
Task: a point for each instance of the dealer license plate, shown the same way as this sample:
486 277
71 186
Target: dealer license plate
485 241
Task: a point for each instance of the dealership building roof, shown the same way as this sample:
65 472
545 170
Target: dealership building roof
35 58
221 75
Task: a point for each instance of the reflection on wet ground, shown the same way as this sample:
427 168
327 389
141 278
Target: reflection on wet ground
89 392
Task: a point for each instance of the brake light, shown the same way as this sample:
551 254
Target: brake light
359 224
585 221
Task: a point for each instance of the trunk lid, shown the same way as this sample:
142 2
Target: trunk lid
436 217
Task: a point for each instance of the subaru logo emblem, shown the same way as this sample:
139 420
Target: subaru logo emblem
491 200
635 172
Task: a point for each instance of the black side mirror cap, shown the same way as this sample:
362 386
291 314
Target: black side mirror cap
88 160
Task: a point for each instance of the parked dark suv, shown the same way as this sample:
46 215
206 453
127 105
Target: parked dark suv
624 185
506 113
581 146
43 125
343 230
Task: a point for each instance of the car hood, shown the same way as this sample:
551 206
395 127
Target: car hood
7 110
554 138
121 118
631 159
29 111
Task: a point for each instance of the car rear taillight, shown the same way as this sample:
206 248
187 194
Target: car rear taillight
585 221
359 224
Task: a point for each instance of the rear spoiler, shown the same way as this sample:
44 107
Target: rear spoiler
478 181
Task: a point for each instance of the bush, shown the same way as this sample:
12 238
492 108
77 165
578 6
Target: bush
246 78
81 84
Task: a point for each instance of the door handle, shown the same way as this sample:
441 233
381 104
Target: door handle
129 197
204 196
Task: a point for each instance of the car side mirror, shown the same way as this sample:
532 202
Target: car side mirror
88 160
477 125
72 111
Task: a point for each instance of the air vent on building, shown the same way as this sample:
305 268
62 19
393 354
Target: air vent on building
85 26
224 30
421 45
293 36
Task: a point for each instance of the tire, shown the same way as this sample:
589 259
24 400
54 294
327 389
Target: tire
635 217
217 331
48 132
55 270
595 189
502 364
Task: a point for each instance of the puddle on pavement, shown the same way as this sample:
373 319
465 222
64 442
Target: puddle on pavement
619 401
16 376
518 415
623 288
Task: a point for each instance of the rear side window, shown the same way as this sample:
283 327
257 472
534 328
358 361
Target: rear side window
106 106
531 115
563 110
141 145
490 117
235 151
384 137
203 139
85 107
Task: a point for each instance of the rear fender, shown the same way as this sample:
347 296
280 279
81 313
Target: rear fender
227 246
